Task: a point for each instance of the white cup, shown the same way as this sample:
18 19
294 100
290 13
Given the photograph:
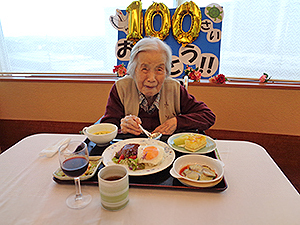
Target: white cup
114 187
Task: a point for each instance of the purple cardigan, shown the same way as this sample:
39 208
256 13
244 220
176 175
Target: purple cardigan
194 114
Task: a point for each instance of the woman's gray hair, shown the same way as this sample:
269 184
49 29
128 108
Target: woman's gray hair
148 44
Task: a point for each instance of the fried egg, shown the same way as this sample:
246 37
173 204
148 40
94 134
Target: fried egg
150 154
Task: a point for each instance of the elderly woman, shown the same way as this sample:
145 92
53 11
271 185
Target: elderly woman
148 96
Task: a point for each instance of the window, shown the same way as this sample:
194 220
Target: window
76 36
261 37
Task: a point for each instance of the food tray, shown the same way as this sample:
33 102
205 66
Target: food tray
162 179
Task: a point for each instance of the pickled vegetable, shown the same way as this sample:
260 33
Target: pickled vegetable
181 139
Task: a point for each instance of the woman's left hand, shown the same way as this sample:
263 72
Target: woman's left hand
168 127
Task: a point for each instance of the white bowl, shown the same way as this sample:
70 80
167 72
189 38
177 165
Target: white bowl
216 165
101 139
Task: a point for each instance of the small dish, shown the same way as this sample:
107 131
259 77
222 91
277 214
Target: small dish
214 164
94 162
210 145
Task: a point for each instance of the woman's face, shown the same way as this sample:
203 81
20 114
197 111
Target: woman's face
150 72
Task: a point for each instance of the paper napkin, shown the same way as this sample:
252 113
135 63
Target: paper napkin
53 149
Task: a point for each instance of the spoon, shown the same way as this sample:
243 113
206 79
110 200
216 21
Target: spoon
156 135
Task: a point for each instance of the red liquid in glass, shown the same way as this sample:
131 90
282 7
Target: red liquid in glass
75 167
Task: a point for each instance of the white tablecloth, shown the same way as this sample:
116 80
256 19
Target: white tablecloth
257 193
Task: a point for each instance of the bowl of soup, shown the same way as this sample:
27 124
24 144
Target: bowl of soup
198 170
102 133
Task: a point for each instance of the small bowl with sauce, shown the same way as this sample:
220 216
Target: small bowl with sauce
198 170
101 134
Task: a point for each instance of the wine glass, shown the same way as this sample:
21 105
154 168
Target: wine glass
74 161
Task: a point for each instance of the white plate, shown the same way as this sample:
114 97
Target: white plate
94 162
169 157
210 145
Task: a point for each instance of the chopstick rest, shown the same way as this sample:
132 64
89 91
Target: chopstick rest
53 149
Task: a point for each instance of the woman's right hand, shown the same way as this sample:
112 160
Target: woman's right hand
130 124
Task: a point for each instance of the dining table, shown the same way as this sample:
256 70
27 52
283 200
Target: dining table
254 191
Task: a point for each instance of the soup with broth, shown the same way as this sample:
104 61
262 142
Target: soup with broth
101 132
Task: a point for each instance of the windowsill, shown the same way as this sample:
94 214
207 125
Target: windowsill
111 78
59 77
251 83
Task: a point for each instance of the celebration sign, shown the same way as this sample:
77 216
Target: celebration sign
193 33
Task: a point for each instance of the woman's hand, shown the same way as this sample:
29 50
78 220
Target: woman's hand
168 127
130 124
